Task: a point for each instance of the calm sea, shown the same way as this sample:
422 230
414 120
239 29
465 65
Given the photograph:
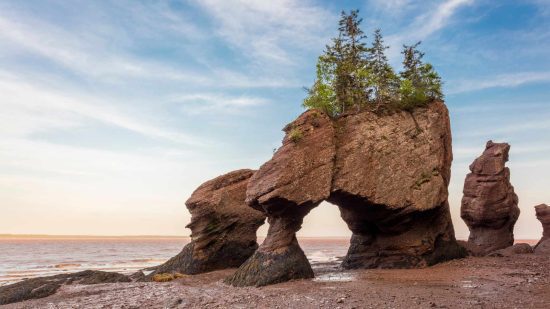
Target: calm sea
28 257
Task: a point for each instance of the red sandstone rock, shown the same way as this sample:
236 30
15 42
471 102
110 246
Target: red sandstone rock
223 227
390 183
387 173
286 188
543 214
490 206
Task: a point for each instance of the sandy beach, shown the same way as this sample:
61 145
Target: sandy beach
521 281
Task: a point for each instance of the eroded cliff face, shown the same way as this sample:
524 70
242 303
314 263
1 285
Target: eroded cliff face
387 174
490 206
223 227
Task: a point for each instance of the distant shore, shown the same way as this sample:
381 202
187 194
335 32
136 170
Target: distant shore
46 236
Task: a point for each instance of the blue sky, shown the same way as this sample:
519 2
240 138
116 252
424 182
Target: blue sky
113 112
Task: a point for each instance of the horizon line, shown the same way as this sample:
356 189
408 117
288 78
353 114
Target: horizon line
84 236
8 235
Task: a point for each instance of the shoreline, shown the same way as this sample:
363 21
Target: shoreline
520 281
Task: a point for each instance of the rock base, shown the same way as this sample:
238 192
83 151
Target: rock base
391 239
230 255
265 268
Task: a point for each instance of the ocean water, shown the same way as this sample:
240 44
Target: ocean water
28 257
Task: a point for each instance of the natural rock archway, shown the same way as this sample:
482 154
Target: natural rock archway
223 227
388 174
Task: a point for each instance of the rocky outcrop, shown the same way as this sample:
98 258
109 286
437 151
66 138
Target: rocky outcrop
390 183
543 214
388 174
223 227
286 188
46 286
489 205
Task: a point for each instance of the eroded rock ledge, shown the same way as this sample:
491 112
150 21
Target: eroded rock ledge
223 227
490 206
387 174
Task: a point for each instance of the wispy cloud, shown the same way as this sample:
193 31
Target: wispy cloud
393 7
88 56
33 101
502 80
92 56
431 22
265 30
216 103
434 19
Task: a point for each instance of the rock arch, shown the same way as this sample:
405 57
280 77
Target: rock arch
388 174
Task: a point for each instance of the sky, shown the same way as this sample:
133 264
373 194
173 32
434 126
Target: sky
113 112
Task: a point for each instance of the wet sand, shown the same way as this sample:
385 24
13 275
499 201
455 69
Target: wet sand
521 281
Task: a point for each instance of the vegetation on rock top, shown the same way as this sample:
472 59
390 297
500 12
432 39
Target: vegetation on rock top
352 75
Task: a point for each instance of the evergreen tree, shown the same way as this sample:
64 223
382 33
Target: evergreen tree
342 75
322 95
348 52
349 74
412 61
383 79
420 83
431 82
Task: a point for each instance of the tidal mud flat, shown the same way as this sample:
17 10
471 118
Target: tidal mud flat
518 281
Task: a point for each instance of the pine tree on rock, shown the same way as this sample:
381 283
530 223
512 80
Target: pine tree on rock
349 51
420 83
384 81
352 76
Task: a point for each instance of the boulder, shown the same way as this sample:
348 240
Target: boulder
543 214
489 205
388 174
46 286
223 227
520 248
286 188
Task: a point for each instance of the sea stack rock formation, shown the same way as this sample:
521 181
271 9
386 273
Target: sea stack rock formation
543 214
286 188
390 181
388 174
490 206
223 227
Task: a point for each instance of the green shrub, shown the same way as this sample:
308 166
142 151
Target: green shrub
295 135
